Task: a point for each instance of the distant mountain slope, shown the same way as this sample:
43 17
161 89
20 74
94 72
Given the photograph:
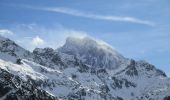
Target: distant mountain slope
14 88
9 50
82 69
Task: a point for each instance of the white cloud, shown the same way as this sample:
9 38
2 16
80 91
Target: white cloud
37 41
5 32
57 36
78 13
40 36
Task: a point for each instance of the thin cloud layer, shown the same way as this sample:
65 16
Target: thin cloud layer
5 32
77 13
49 37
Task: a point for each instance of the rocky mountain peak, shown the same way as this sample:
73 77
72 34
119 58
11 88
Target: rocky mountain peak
83 69
10 48
93 52
86 41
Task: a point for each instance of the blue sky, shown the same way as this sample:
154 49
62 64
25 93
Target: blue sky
137 29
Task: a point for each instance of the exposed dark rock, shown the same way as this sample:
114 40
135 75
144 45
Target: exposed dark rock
105 88
14 88
119 98
149 67
83 68
47 57
73 76
116 83
167 98
18 61
131 69
160 72
93 71
119 83
79 95
102 71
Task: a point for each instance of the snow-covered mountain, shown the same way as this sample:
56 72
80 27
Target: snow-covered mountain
82 69
10 51
93 53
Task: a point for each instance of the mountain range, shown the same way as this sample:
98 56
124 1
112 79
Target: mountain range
82 69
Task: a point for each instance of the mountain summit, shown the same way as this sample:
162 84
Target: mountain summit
92 52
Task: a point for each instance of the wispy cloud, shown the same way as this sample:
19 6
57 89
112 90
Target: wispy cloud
74 12
78 13
40 36
5 32
37 41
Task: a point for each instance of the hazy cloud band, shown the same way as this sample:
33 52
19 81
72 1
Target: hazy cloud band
77 13
74 12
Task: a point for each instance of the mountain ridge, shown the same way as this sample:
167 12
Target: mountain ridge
84 72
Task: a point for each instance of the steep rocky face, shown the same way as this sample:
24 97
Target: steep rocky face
140 68
9 50
14 88
54 59
57 60
149 69
47 57
119 83
131 69
93 53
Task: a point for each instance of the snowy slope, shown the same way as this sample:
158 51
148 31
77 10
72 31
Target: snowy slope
10 51
12 87
84 69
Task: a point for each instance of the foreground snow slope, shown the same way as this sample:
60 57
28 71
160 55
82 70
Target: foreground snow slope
84 69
